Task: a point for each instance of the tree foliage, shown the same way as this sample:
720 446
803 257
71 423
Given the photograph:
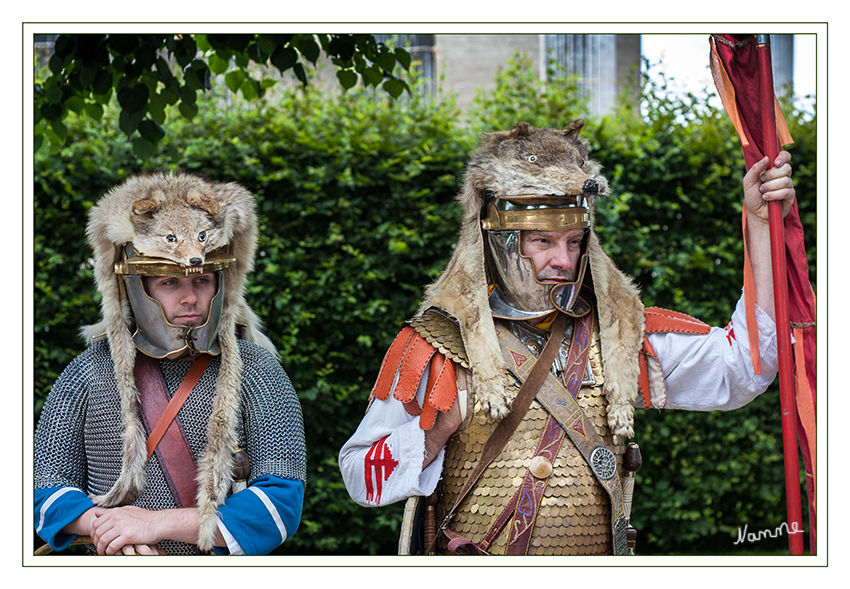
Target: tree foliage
356 204
520 95
147 74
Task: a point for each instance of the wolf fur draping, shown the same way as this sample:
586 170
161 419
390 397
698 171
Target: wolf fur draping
462 288
137 211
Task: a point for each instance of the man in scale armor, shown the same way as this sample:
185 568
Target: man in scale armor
495 457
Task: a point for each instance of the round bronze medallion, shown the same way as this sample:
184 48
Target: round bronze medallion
603 462
540 467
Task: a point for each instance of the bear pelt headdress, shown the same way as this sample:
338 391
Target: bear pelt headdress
162 215
536 161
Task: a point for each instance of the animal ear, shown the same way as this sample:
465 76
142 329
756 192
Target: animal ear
197 199
521 130
150 204
572 130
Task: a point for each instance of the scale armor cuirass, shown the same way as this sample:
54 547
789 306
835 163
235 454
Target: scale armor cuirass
575 514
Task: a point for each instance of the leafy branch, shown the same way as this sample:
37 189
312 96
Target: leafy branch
147 73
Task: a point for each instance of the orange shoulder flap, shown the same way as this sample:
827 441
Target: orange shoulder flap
442 390
386 375
663 321
410 354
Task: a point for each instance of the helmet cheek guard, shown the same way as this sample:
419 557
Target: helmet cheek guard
154 335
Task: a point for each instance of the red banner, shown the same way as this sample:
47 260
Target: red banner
735 67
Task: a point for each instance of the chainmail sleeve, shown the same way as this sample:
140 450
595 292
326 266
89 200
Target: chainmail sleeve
273 425
59 443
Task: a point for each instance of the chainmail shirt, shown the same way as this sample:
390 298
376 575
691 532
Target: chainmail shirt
78 437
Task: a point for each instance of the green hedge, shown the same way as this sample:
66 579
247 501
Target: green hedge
356 201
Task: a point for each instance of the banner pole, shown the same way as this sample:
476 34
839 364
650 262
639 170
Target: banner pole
783 317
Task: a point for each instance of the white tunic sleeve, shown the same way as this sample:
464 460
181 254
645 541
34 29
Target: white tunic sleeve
382 462
714 371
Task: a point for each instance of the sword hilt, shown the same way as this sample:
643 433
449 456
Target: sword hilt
632 461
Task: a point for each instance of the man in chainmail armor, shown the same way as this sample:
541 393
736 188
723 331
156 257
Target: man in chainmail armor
495 457
176 431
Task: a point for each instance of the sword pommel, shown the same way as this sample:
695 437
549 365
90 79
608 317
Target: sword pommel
631 459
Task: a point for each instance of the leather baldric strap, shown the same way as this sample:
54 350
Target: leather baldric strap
560 402
165 435
522 509
506 427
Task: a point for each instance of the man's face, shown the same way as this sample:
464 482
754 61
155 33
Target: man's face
555 254
185 300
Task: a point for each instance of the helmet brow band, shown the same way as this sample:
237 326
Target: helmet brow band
561 219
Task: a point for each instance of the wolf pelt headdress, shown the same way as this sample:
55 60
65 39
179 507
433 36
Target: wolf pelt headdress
529 161
162 217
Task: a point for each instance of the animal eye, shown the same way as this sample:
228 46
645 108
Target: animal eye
202 236
582 163
532 158
170 238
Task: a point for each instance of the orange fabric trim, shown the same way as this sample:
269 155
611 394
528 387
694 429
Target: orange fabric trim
750 303
781 126
652 325
442 394
386 374
726 90
441 390
805 406
411 353
429 412
660 320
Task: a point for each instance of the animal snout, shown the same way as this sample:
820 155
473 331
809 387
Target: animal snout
590 187
195 261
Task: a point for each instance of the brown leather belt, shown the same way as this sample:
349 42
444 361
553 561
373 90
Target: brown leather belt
166 437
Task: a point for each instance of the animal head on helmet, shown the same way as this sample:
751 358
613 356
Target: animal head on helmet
172 225
175 225
522 180
534 180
